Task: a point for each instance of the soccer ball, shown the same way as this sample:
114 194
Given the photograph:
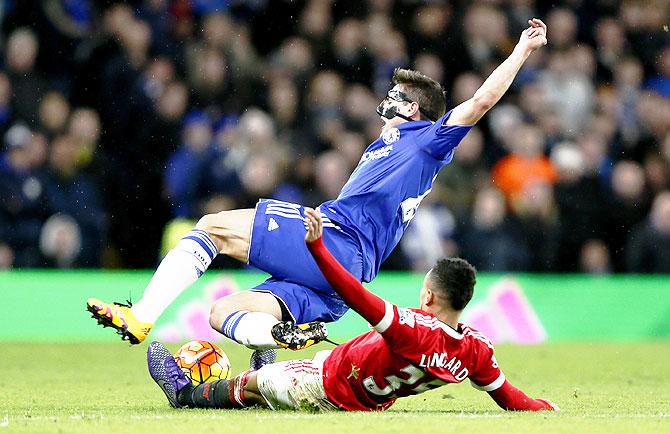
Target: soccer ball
203 362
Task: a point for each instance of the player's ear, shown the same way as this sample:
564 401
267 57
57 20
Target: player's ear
429 297
414 109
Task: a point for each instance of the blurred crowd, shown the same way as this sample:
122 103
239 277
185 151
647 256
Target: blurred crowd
122 122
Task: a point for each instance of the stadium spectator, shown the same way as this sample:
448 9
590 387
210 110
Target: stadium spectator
537 213
6 256
525 164
611 46
84 130
648 249
389 48
629 204
580 202
72 193
566 24
348 54
284 106
657 172
28 84
330 175
359 111
61 241
660 82
598 163
324 108
22 198
433 40
569 90
431 238
5 102
487 36
492 241
595 258
351 146
467 174
259 176
431 65
186 166
293 58
54 112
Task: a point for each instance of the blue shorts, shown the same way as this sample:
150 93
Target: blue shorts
278 248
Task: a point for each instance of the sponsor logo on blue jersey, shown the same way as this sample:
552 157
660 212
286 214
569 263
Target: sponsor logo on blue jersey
377 154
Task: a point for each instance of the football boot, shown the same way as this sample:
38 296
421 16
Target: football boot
260 358
293 336
119 317
166 373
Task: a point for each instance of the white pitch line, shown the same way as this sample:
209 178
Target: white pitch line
295 415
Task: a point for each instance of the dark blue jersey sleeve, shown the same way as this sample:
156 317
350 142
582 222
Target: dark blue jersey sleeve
439 140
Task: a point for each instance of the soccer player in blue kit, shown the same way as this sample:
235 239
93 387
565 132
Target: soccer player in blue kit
361 226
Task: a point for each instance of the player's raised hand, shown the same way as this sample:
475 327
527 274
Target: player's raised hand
534 36
314 224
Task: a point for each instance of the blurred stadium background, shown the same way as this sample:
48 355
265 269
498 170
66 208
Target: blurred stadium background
123 122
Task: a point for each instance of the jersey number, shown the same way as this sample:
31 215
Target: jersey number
410 205
394 383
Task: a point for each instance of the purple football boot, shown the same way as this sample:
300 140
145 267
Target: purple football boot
165 372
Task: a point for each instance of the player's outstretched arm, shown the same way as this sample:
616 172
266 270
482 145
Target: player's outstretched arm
509 397
472 110
365 303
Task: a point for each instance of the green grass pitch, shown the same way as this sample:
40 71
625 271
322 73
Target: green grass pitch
105 388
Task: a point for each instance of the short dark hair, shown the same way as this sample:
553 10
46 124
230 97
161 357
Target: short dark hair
422 89
454 279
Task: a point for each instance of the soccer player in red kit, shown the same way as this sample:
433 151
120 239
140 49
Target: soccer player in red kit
408 352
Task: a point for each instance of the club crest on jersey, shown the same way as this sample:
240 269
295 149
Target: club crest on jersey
391 136
406 316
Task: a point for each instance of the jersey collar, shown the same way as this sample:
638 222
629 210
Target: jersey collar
413 125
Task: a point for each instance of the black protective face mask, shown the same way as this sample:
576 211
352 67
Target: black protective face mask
391 111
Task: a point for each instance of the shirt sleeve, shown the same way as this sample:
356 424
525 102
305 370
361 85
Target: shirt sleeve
364 302
487 376
510 398
403 333
439 140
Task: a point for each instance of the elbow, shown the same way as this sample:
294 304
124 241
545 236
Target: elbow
483 103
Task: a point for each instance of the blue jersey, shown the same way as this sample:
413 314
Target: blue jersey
394 174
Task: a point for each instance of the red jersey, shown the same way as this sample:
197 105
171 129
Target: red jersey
409 351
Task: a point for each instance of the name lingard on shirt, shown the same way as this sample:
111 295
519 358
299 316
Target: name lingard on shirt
377 154
442 360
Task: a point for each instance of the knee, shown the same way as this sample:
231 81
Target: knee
246 300
223 308
212 224
217 314
208 222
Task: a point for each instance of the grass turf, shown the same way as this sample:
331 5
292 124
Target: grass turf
104 387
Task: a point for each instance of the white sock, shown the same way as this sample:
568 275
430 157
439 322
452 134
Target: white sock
251 329
182 266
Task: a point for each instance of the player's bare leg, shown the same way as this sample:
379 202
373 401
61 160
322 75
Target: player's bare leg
258 311
230 231
227 232
247 318
254 319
